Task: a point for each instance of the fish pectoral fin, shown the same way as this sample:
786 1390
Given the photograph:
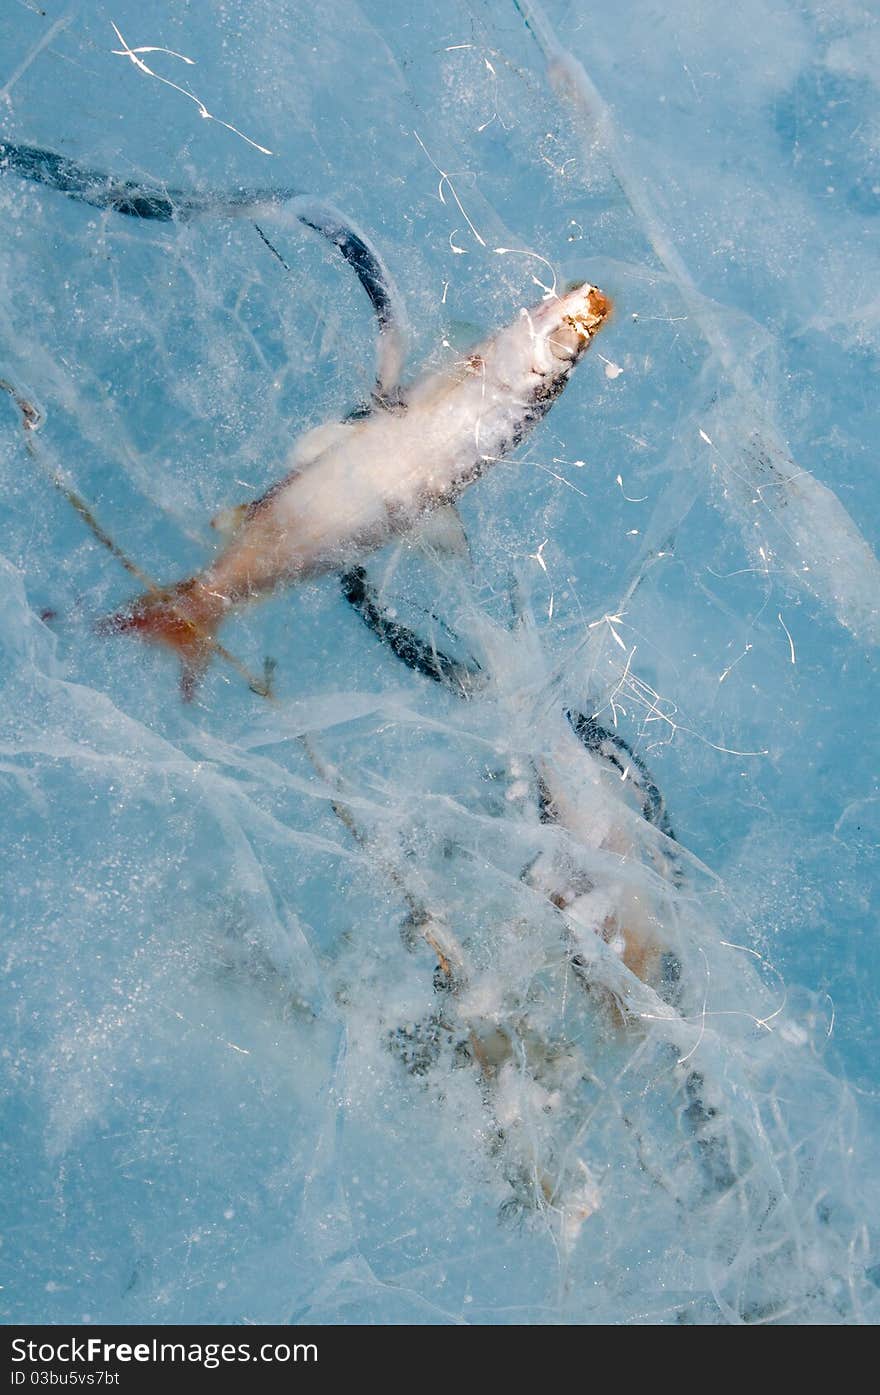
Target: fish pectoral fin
228 521
441 532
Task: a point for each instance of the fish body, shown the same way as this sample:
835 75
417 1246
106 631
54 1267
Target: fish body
147 202
354 486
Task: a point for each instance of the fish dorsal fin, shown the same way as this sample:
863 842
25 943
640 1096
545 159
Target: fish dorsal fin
441 532
317 441
303 452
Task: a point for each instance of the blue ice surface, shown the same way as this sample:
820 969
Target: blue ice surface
203 970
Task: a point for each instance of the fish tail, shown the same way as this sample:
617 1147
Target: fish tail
184 618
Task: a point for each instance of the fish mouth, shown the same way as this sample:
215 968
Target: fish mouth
581 314
592 315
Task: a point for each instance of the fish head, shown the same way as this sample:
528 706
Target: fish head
562 327
537 353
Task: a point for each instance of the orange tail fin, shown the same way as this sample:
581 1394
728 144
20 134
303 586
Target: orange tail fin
183 617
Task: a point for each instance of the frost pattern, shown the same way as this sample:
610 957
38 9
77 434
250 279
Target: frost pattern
386 1001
